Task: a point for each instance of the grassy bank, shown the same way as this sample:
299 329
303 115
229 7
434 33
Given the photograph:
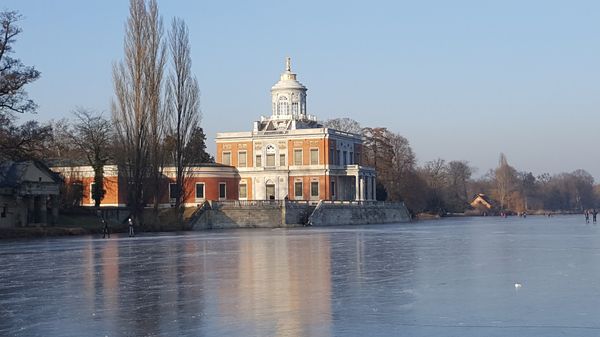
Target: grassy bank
83 221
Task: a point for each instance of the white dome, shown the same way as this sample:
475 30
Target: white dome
288 96
288 81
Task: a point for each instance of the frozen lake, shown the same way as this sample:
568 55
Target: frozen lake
453 277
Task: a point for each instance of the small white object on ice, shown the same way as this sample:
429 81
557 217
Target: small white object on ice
518 285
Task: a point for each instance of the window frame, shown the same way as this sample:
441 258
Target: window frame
301 157
223 157
332 156
312 184
258 160
92 184
270 156
170 191
282 161
245 156
203 191
224 197
245 197
296 195
313 150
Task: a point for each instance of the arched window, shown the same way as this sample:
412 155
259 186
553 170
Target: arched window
270 155
283 105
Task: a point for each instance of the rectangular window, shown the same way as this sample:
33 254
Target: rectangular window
173 191
199 190
331 156
351 158
258 160
297 157
357 158
282 160
222 191
345 158
314 156
243 191
226 158
92 191
337 157
298 190
314 188
270 159
3 214
242 159
332 192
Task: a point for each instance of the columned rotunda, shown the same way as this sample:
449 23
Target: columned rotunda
290 155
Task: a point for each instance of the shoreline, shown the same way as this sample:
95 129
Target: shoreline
58 231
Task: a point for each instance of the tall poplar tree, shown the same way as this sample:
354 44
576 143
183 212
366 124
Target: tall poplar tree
183 105
136 109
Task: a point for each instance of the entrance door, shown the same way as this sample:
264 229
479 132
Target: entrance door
270 194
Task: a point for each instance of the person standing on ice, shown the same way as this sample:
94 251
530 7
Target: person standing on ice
594 215
130 223
586 213
105 228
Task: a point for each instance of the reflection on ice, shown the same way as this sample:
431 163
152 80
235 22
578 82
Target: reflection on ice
452 277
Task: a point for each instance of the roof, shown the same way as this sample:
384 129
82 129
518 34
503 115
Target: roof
483 197
13 174
55 162
288 79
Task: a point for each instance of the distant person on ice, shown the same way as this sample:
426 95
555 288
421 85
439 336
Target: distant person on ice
594 215
105 228
586 213
130 223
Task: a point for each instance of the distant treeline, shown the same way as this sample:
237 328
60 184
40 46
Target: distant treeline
442 187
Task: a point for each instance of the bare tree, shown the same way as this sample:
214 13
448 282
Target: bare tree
13 74
92 134
23 142
183 105
434 174
505 177
136 110
343 124
458 175
154 85
394 161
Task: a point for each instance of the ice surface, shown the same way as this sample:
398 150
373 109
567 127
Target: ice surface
453 277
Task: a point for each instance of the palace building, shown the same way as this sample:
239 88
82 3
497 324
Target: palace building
289 155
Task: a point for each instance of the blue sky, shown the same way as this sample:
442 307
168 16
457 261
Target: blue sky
461 80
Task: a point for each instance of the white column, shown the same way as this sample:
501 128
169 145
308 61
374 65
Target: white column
357 188
362 188
374 187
